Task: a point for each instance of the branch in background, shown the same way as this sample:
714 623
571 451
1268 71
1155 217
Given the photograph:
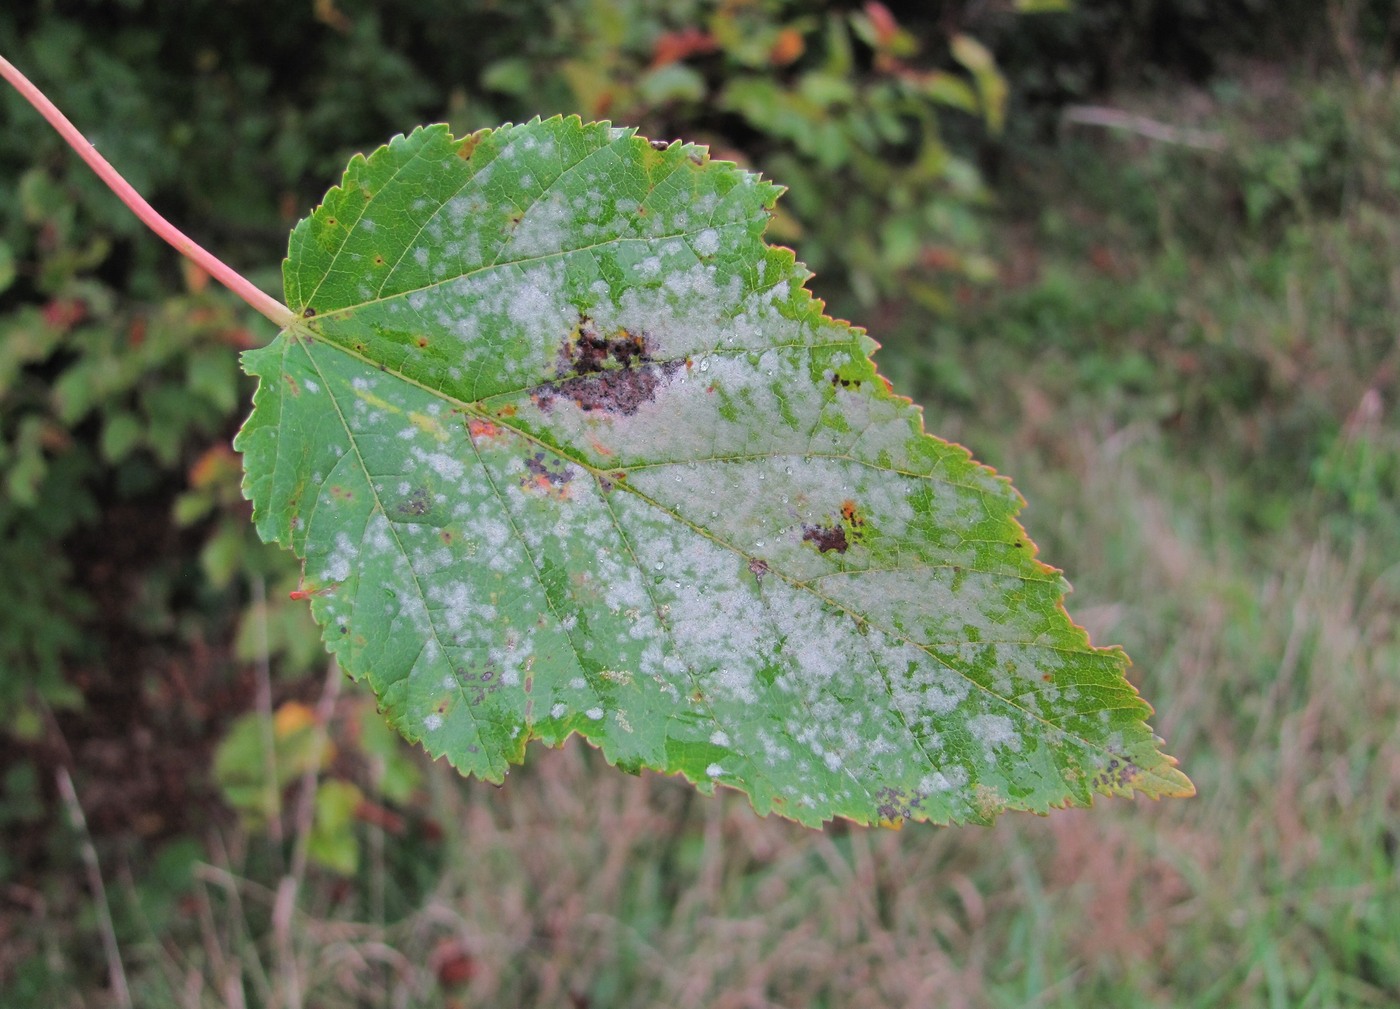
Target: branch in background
1152 129
120 991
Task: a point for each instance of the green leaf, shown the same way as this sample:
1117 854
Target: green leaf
566 448
991 85
333 844
7 266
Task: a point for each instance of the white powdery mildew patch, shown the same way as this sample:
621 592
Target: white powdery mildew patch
762 506
945 780
994 732
444 465
881 428
502 321
836 675
546 227
536 311
624 588
687 313
341 558
923 600
925 690
456 608
514 659
719 394
716 622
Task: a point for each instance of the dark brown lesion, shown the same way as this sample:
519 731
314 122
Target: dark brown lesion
839 532
609 372
828 537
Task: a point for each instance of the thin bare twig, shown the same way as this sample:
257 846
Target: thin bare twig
290 885
262 667
120 991
268 306
1152 129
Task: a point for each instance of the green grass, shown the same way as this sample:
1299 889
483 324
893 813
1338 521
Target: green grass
1195 386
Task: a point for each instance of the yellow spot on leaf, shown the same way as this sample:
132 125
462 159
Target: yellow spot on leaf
376 402
428 425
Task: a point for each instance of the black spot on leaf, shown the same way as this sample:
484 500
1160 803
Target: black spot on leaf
418 503
1120 773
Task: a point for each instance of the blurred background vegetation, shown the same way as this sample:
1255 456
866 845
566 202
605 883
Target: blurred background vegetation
1142 255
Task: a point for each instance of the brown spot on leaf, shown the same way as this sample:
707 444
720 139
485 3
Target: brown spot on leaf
620 391
612 373
758 567
826 537
468 146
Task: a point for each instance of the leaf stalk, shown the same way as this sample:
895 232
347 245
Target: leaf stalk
264 304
